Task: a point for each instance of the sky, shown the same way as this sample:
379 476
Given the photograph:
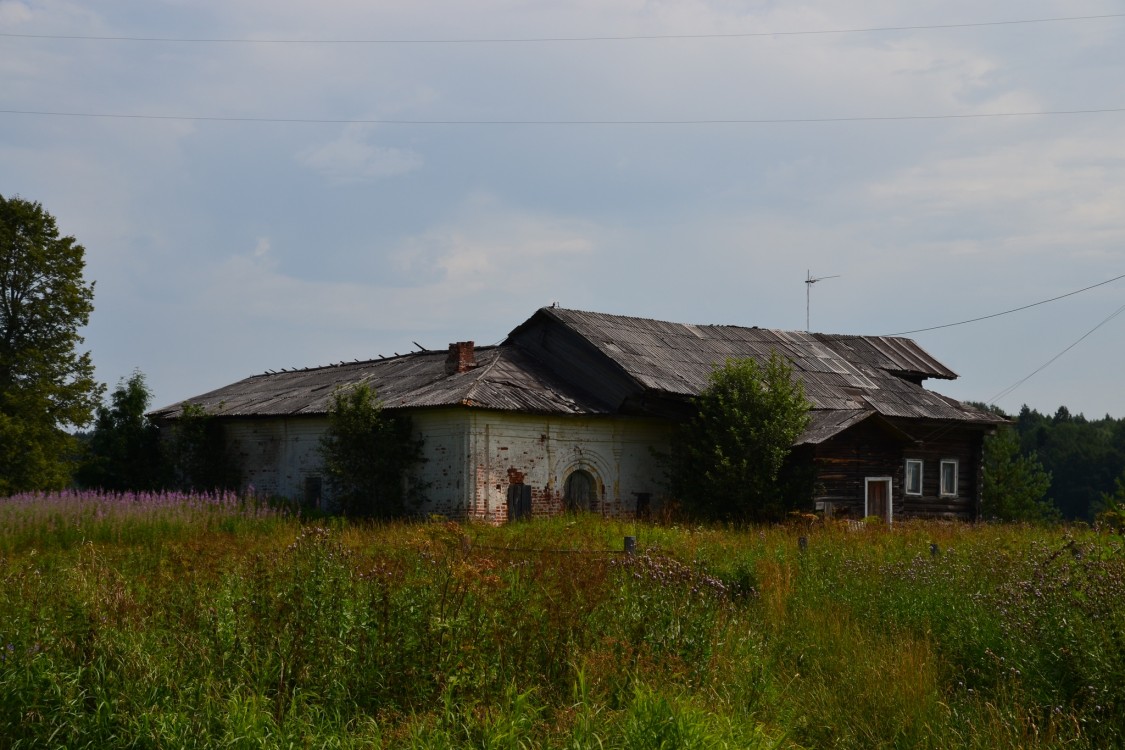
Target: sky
277 184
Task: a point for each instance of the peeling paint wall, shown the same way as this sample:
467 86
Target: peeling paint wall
473 457
276 455
542 452
446 452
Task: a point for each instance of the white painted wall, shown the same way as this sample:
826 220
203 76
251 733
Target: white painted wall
445 470
545 450
472 456
277 453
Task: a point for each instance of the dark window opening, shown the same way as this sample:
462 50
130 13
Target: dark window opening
913 481
314 491
949 478
644 504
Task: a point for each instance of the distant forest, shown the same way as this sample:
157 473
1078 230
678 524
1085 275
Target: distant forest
1085 457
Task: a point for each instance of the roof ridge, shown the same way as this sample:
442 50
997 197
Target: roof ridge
648 320
359 362
353 363
723 325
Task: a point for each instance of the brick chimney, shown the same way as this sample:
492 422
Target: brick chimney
461 357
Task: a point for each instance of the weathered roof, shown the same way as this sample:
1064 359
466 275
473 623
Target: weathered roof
846 378
827 423
504 378
843 376
679 357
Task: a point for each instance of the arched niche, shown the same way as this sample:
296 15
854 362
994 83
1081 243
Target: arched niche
580 491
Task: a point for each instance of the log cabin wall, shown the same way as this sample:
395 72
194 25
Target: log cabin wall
844 462
871 449
934 444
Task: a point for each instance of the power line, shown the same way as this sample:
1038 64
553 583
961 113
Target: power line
1007 391
1008 312
1010 389
532 40
746 121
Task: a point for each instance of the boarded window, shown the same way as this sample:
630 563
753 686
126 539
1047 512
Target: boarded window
949 478
913 476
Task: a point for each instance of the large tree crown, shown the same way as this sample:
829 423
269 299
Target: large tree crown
46 383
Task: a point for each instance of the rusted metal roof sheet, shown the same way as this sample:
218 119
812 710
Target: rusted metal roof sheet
504 379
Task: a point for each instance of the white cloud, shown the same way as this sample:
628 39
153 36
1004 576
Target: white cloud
1032 193
488 246
487 252
221 236
13 13
351 158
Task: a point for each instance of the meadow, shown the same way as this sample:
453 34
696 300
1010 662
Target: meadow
179 621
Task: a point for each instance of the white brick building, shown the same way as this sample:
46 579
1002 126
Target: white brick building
567 411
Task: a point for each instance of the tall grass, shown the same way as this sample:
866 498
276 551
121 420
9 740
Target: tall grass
199 623
61 520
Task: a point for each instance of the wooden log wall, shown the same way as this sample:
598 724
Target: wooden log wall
873 449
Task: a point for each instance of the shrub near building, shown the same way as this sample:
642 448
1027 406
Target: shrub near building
725 462
368 455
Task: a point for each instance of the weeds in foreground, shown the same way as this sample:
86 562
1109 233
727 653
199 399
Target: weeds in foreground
225 625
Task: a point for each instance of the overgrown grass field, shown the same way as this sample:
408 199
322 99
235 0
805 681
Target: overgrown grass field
177 621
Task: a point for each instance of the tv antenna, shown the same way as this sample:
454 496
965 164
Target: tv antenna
809 281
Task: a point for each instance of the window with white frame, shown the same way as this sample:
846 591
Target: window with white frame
949 477
913 481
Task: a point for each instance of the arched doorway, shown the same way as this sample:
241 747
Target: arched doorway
580 491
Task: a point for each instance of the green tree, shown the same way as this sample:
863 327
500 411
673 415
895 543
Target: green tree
369 456
200 457
1111 507
124 449
46 384
726 461
1082 456
1015 486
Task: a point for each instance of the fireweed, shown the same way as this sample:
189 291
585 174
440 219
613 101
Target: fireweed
65 519
203 622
